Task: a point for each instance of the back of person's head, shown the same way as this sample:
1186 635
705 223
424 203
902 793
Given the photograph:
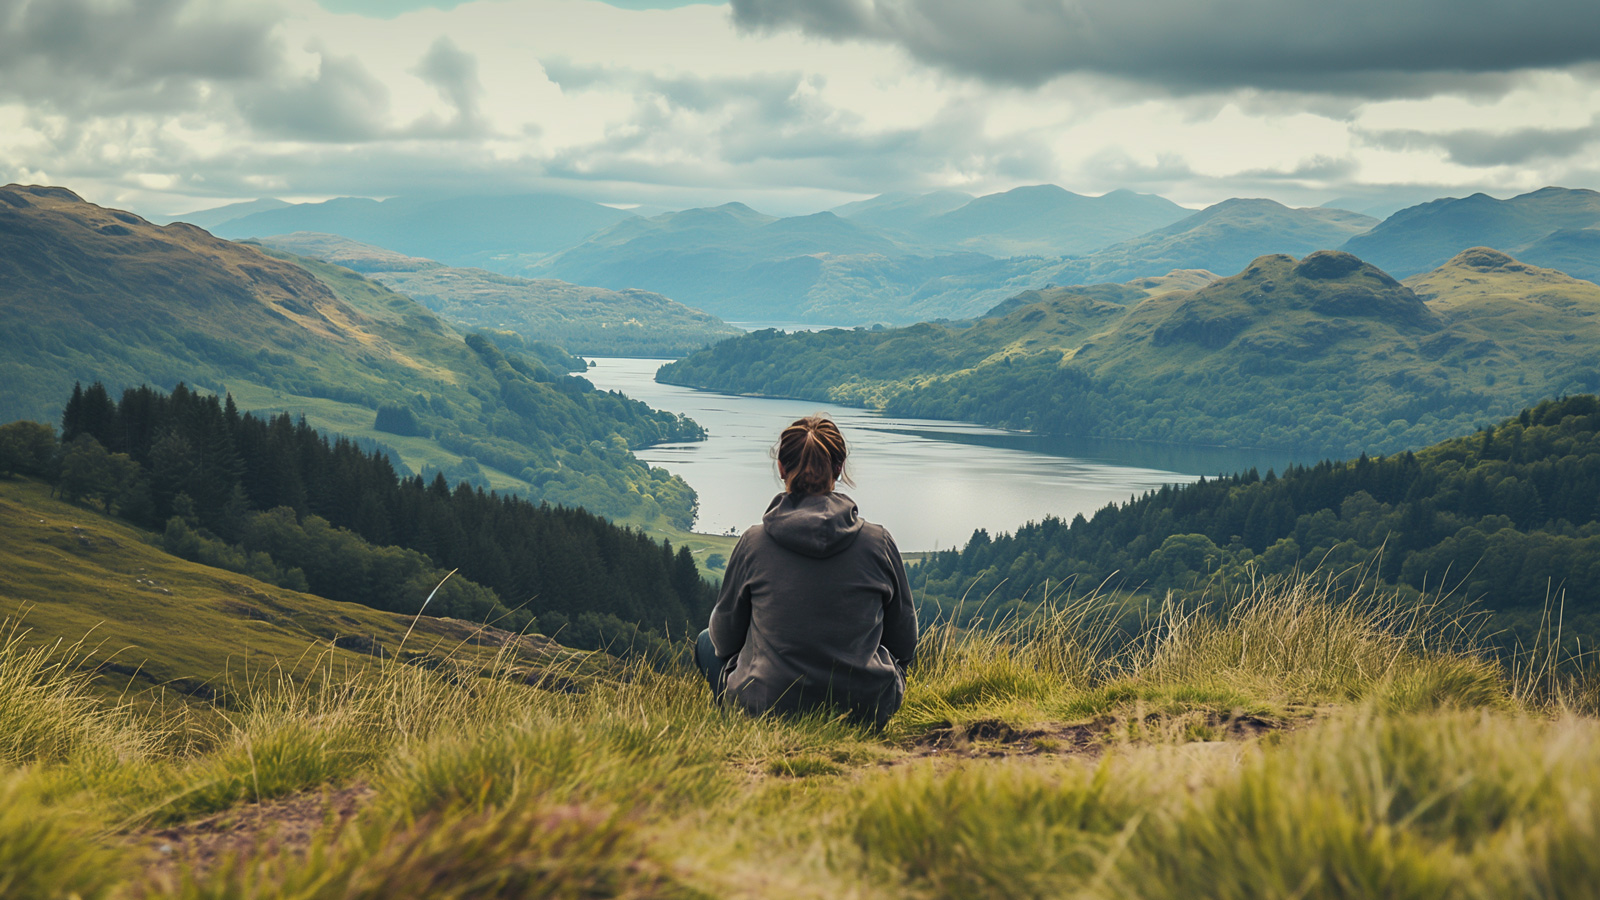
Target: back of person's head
811 456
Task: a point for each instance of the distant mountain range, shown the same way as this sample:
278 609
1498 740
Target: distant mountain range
94 294
459 231
1544 227
584 320
1222 238
1039 220
901 258
1325 354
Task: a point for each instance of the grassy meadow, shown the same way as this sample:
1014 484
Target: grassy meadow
1284 744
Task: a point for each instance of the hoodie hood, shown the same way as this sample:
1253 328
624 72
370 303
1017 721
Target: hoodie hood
816 525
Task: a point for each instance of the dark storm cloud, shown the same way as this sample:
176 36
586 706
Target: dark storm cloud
453 72
341 102
99 60
1363 47
103 55
1487 148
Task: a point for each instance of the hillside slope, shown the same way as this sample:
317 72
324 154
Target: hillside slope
153 619
1505 520
92 294
1323 355
585 320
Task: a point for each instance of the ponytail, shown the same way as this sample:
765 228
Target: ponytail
811 456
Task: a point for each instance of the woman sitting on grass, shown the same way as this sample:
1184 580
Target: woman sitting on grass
815 611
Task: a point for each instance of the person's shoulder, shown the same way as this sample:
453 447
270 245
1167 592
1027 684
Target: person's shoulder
751 537
876 536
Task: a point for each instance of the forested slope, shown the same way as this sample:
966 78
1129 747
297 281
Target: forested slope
1508 517
92 294
272 498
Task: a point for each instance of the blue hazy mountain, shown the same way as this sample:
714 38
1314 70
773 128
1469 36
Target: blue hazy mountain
1046 220
475 231
900 213
1425 236
211 218
1575 251
1223 237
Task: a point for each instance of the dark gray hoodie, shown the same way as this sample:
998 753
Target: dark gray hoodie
816 606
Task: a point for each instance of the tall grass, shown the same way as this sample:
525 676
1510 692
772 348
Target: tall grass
1372 804
1280 642
47 852
1423 774
49 710
531 850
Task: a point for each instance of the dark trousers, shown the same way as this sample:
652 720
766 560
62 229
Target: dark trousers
712 666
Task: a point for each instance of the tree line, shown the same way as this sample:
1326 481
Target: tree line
273 497
1507 519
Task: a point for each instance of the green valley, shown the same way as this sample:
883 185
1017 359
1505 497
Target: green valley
92 294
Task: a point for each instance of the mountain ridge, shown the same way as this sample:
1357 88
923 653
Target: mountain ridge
95 294
584 320
1325 354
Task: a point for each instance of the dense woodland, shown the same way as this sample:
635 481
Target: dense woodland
274 498
1507 519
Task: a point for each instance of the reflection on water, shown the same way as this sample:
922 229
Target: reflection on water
931 483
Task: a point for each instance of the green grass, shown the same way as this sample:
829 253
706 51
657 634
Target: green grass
146 618
1047 757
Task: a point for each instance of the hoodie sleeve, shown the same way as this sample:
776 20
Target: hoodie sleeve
899 614
730 618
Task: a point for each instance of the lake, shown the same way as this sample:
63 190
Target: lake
930 482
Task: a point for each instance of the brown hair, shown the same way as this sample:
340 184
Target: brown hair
811 455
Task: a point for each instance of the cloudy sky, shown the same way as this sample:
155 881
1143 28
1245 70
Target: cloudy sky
166 106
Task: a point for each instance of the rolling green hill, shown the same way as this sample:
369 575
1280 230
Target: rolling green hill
1323 355
91 294
585 320
1423 237
153 619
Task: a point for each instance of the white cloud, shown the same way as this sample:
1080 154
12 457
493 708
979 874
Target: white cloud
209 102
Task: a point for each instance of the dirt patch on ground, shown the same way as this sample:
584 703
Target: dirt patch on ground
994 738
285 823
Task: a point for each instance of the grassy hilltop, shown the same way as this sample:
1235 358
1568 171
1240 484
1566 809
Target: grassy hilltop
1300 744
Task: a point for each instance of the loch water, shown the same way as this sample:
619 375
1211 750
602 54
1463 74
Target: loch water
930 482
